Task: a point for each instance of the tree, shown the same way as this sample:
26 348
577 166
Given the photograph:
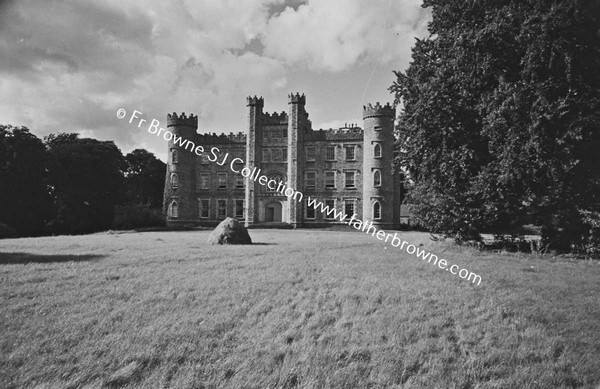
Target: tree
88 181
144 179
501 117
25 202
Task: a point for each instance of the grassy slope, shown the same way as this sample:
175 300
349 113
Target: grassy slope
304 309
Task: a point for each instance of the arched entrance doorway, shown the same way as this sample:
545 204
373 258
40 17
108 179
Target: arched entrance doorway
273 212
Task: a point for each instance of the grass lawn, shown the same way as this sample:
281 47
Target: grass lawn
303 309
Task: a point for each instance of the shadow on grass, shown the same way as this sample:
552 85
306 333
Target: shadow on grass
243 244
24 258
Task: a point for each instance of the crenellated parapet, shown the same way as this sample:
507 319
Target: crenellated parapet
255 101
296 98
336 134
214 138
275 118
174 120
378 110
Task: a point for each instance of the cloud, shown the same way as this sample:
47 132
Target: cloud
330 35
68 66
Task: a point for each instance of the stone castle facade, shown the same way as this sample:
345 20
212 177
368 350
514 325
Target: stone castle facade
347 169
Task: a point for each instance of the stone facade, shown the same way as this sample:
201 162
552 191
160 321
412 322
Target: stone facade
349 169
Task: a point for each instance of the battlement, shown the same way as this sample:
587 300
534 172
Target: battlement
214 138
255 101
173 120
296 98
275 118
337 134
378 110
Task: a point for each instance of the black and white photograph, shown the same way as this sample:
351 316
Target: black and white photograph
310 194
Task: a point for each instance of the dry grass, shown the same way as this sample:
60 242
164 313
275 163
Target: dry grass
304 309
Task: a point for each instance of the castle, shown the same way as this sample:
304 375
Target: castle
347 169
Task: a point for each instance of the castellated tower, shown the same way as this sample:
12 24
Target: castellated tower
379 202
254 142
180 180
298 125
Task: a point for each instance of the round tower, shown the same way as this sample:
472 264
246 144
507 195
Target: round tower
179 205
378 152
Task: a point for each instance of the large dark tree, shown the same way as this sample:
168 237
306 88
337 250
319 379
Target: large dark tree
88 181
144 179
501 120
25 202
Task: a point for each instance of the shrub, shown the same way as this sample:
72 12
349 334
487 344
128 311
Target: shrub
135 216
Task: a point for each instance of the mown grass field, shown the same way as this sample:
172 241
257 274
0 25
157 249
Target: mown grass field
302 309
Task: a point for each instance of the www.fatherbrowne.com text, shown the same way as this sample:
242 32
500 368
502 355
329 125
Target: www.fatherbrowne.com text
236 166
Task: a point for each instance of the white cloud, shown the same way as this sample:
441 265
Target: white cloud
331 35
68 66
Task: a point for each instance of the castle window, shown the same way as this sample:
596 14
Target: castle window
310 180
377 151
330 153
204 181
276 154
174 210
376 210
275 177
377 127
239 181
350 180
377 178
350 153
265 155
311 152
222 180
204 208
330 180
330 203
310 211
221 209
174 156
349 207
239 208
284 153
174 180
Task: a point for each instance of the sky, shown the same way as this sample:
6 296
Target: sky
68 66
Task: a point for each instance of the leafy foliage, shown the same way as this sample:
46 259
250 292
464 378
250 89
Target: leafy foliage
25 199
88 177
501 118
144 179
71 185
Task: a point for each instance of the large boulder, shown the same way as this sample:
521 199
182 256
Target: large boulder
230 231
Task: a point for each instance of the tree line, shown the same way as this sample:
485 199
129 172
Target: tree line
68 184
500 120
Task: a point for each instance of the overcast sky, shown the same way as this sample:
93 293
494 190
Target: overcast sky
69 65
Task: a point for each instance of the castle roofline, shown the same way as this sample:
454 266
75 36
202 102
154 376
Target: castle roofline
222 138
336 134
182 120
257 101
297 98
378 110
